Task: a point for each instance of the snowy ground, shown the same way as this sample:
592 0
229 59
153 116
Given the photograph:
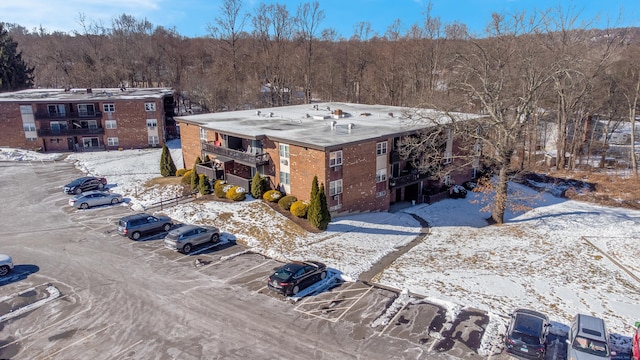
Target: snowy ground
561 257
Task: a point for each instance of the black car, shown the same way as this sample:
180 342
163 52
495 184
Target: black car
85 183
527 334
295 276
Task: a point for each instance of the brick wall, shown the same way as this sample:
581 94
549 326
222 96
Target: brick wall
190 140
131 119
11 131
305 164
359 179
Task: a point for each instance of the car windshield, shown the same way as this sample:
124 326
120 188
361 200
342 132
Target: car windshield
590 346
77 181
284 273
525 338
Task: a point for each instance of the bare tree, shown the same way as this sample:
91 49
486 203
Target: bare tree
308 19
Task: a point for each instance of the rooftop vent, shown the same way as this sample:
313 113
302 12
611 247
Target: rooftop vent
270 114
390 114
333 125
365 114
350 126
258 112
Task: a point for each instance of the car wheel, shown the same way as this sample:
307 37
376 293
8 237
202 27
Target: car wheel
166 227
186 248
136 235
296 290
4 270
77 191
115 201
84 206
323 275
215 238
100 186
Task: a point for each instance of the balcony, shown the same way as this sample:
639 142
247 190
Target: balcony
85 115
71 132
408 179
394 156
239 156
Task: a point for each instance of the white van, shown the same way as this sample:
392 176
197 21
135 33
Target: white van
588 339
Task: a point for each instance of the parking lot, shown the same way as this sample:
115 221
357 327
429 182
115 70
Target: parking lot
80 290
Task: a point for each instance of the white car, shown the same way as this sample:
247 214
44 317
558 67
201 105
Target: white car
6 264
94 198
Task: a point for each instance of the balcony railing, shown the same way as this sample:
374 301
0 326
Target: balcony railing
69 132
394 157
241 156
45 115
404 180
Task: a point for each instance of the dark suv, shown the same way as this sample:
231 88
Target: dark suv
85 183
527 334
134 226
295 276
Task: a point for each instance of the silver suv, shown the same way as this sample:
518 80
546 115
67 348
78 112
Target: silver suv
134 226
186 237
588 339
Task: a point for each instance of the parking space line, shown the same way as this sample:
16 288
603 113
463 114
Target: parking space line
393 319
79 341
249 270
115 356
332 300
221 260
262 288
355 302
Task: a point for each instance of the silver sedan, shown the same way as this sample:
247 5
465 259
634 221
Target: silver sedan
94 198
186 237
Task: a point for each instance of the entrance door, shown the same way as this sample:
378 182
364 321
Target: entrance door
70 143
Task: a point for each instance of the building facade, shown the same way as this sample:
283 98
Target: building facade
351 148
53 120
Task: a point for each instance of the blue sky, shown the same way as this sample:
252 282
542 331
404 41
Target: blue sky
191 17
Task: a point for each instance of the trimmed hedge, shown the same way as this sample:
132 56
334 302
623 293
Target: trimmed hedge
286 201
186 177
299 208
219 189
181 172
272 195
236 193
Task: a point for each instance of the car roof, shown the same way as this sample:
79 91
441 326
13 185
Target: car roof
528 323
591 327
134 216
184 228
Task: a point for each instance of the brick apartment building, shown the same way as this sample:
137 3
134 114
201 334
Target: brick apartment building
53 120
352 149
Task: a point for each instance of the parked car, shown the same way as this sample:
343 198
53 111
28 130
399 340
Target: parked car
94 198
588 339
527 334
184 238
295 276
635 347
134 226
85 183
6 264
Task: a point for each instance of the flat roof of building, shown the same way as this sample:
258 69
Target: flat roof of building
319 126
94 94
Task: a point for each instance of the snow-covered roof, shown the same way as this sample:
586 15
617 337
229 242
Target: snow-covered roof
320 126
94 94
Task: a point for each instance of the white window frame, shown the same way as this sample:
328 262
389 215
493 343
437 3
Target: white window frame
381 194
149 106
29 126
113 141
448 153
381 148
153 140
109 107
285 178
90 140
446 180
110 124
152 123
26 110
335 187
92 124
203 134
283 151
381 175
335 158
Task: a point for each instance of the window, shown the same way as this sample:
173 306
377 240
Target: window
381 194
152 123
381 175
110 124
335 158
446 180
109 108
150 106
448 153
90 142
56 110
86 110
285 178
92 124
112 141
203 134
335 187
381 148
153 140
283 151
29 126
26 110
